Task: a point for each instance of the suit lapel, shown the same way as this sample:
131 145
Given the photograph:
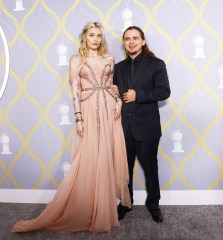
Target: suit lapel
125 79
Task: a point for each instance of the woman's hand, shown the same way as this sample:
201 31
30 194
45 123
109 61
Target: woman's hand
80 128
79 124
117 109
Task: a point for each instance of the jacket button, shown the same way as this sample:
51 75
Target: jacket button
129 114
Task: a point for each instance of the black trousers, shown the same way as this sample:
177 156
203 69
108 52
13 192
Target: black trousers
146 151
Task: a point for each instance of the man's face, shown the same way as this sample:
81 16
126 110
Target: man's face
133 42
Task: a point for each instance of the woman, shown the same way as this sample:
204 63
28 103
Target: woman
86 198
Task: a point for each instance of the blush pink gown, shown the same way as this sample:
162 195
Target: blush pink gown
86 199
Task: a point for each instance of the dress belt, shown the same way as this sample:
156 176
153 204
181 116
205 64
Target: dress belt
96 88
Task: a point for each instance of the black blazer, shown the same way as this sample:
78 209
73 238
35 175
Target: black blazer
151 85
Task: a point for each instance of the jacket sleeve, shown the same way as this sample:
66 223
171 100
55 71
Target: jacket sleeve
161 90
114 75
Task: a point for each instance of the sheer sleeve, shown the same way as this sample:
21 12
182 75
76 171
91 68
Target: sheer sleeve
74 79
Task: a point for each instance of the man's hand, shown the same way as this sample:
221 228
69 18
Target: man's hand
129 96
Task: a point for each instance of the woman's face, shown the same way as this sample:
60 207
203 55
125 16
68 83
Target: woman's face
94 38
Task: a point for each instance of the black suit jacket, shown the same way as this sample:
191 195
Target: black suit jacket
151 85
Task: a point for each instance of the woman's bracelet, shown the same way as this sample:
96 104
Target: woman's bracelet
79 120
77 113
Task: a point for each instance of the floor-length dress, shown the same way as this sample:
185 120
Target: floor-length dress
86 198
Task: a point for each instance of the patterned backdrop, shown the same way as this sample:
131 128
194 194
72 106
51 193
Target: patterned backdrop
36 113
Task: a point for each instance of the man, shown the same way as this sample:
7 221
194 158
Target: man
142 81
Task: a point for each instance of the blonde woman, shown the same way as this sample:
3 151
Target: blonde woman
86 198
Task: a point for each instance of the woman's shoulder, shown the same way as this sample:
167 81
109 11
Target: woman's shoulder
76 59
110 57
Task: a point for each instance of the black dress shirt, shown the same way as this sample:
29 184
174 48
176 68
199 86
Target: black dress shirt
136 62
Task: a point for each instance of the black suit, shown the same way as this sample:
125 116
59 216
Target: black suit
141 119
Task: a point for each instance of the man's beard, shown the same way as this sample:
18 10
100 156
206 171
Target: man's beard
133 53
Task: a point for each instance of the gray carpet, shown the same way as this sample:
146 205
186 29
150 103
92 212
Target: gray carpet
180 223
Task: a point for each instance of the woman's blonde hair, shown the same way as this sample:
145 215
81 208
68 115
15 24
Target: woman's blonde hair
83 50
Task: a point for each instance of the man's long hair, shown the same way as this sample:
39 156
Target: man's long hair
145 48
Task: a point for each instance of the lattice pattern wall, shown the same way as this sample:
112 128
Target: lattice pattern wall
36 113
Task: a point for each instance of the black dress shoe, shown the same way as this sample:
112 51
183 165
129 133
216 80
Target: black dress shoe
156 214
122 210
